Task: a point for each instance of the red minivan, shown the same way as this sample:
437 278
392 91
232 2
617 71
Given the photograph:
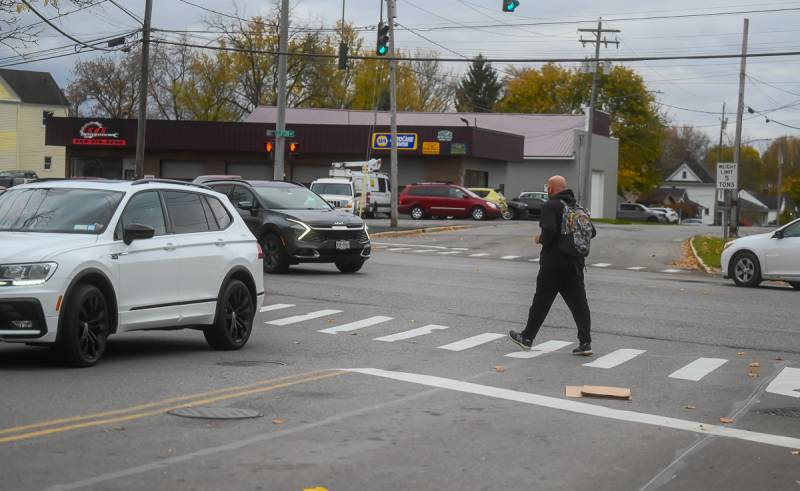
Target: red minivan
444 200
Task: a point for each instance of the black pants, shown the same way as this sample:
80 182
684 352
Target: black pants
568 281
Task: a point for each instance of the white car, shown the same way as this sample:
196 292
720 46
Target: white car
772 256
338 191
672 216
81 260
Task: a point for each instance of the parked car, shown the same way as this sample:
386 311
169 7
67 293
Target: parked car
639 213
497 198
771 256
672 215
423 200
295 225
218 177
533 201
692 221
84 259
338 191
10 178
2 189
372 190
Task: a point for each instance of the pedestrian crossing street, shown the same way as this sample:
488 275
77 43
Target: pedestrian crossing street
465 252
695 371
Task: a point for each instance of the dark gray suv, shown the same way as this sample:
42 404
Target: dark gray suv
295 225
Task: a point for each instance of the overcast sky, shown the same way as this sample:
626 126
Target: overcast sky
697 85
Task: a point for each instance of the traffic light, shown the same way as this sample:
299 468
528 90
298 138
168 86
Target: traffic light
269 146
343 56
383 39
510 5
294 147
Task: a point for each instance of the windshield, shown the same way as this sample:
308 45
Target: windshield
332 188
471 194
67 211
291 198
480 192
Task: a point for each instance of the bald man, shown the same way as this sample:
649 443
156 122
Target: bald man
558 273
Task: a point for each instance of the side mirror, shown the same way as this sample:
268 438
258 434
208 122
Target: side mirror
137 231
778 234
245 205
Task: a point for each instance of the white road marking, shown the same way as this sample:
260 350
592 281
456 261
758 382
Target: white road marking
540 349
671 271
583 408
413 333
424 250
698 369
480 254
534 260
300 318
371 321
473 341
448 253
395 249
459 248
636 268
509 257
601 265
388 244
787 383
276 306
615 358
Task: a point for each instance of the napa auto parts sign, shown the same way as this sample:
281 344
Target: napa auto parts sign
405 141
95 134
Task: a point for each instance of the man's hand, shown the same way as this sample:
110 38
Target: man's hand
537 239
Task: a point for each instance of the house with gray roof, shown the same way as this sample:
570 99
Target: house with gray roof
698 183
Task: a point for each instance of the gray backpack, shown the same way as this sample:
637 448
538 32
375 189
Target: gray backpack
577 231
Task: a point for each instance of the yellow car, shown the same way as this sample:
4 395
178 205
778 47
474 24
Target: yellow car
496 197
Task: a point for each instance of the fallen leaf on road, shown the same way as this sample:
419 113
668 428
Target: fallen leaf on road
755 364
278 421
741 353
726 420
318 488
499 369
330 321
689 407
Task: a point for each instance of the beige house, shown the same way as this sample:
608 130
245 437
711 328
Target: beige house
27 99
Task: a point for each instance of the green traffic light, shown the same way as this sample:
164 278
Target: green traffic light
382 50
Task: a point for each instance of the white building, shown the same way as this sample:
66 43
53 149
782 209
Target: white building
699 185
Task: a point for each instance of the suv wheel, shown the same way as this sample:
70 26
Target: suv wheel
276 259
417 213
478 213
746 270
508 214
86 325
234 320
350 266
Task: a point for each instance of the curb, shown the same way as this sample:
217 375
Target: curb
417 231
699 259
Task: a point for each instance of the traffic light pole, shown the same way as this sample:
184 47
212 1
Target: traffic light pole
283 48
393 106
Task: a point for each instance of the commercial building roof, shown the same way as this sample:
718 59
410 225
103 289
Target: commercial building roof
34 87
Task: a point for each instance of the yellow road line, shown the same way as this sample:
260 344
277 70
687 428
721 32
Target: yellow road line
189 398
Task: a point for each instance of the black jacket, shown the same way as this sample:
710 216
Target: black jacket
550 222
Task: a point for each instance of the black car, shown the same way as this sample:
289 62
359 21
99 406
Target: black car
532 203
295 225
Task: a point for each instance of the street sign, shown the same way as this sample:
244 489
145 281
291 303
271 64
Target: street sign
405 141
458 149
279 133
430 148
444 136
727 176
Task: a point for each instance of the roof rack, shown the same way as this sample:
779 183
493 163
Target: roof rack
139 182
222 179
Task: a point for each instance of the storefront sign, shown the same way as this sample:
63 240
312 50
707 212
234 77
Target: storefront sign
458 149
95 134
430 148
444 136
405 141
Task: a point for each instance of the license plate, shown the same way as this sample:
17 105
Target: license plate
342 245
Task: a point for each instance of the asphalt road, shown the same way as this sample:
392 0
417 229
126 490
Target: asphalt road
436 402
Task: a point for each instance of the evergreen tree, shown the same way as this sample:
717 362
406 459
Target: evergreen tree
479 90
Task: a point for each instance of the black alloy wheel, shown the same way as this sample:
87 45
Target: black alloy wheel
276 259
86 327
234 322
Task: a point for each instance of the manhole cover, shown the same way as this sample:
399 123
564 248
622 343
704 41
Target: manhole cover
786 412
249 363
215 413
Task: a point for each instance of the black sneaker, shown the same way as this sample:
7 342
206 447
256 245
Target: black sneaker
584 349
522 341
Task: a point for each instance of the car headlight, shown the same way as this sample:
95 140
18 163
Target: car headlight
301 228
492 205
26 274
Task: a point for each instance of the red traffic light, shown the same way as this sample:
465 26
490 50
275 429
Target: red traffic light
268 147
294 147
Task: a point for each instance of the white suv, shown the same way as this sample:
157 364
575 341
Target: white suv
81 260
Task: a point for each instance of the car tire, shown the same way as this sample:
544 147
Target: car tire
417 213
350 266
234 320
276 259
478 213
509 214
745 270
85 327
653 219
795 285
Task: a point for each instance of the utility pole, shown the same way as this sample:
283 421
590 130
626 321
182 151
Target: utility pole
780 184
283 48
391 14
737 146
722 127
585 186
141 124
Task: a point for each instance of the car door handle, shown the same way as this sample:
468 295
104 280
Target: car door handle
170 247
220 242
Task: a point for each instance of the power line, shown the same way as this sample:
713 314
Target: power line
68 36
128 12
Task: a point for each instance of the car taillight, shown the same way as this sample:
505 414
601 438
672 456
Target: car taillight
260 251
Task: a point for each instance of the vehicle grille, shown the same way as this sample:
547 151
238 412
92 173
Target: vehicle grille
320 235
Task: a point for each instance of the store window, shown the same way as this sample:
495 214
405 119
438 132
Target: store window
48 163
476 179
104 167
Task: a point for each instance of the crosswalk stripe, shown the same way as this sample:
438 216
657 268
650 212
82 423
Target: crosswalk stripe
481 254
447 253
540 349
413 333
459 248
671 271
636 268
371 321
509 257
601 265
424 250
615 358
698 369
473 341
300 318
276 306
395 249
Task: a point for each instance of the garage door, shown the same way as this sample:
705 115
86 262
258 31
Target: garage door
185 170
250 170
